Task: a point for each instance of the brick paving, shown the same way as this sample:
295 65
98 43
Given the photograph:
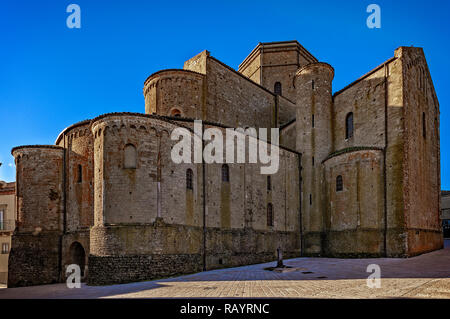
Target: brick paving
425 276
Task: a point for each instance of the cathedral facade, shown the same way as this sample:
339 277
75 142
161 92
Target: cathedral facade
359 173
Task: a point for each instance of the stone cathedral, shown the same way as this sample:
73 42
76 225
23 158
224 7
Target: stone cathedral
359 173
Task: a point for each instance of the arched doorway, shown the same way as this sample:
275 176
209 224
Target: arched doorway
78 256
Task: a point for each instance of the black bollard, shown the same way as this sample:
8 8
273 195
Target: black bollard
279 258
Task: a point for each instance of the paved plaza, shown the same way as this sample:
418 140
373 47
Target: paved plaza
425 276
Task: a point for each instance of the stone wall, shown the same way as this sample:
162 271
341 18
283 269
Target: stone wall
275 62
244 246
394 96
251 66
421 173
34 259
39 188
286 110
445 205
234 100
365 100
34 255
354 216
314 141
288 135
111 187
106 270
7 206
130 222
78 142
175 92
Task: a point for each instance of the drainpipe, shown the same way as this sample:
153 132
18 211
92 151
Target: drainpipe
385 158
158 182
261 65
300 224
64 182
66 154
204 202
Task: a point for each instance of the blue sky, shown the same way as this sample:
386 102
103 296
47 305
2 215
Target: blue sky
52 76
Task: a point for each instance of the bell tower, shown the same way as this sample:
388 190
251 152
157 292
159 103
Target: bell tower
273 65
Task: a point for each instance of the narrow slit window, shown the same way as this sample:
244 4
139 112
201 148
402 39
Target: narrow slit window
312 120
424 125
277 88
225 173
269 214
80 174
349 125
339 184
189 177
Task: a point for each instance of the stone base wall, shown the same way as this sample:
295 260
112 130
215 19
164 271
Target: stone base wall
3 278
34 259
105 270
312 244
238 247
421 241
361 243
122 253
369 243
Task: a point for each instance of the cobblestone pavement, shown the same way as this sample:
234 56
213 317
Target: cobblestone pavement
425 276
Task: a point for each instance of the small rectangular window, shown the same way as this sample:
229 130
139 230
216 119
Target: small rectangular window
310 199
2 225
312 120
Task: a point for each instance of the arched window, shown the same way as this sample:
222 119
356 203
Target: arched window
424 125
269 214
277 88
175 113
225 173
339 183
349 126
189 175
269 183
80 174
130 156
